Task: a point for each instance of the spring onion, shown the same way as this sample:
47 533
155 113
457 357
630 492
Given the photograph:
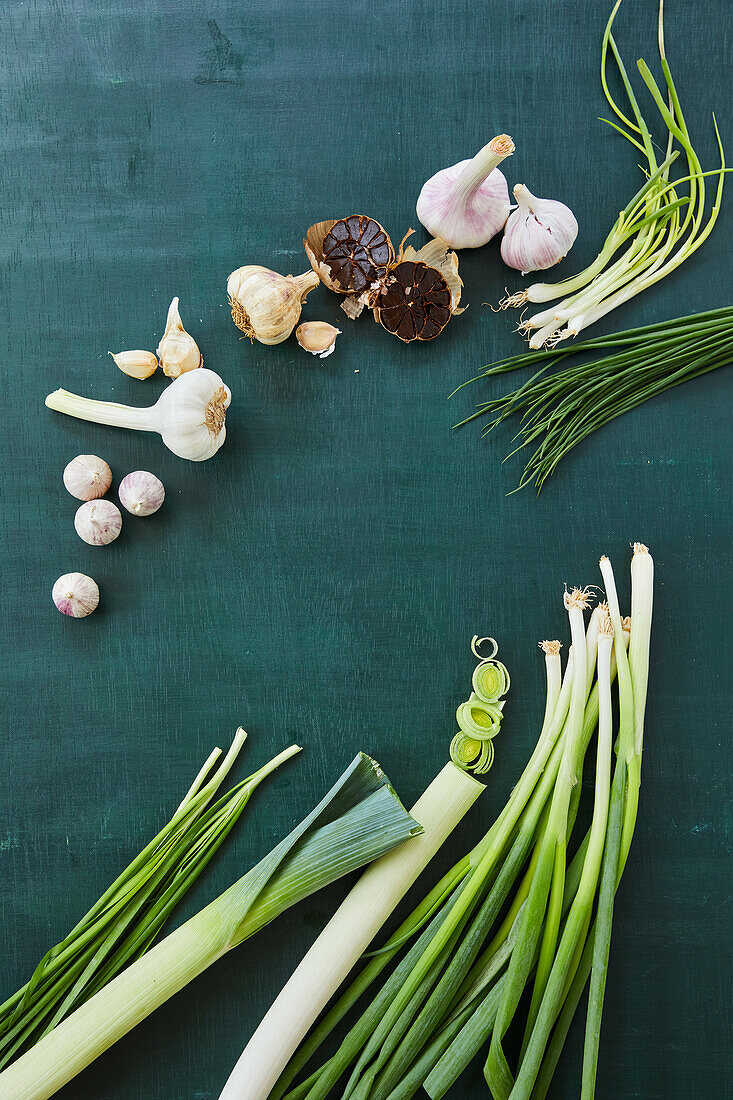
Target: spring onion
359 820
128 917
610 376
655 232
531 914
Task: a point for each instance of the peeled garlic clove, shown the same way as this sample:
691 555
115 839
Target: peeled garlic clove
138 364
76 595
467 204
141 493
317 337
266 305
178 351
87 477
538 233
98 522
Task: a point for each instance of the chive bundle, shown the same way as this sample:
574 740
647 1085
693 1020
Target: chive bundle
559 410
651 237
531 907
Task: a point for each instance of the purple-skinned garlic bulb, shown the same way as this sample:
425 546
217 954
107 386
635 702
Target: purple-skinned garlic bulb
98 522
75 595
467 204
538 233
141 493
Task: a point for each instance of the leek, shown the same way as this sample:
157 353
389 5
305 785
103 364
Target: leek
359 820
128 917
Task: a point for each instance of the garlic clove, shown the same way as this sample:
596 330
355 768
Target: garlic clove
141 493
178 351
538 233
467 204
266 305
87 477
75 595
98 522
138 364
317 337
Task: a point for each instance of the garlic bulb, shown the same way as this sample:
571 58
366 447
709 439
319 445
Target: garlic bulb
467 204
141 493
178 351
265 305
87 477
138 364
189 415
317 337
538 233
76 595
98 522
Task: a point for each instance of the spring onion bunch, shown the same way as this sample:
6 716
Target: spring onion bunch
359 820
123 924
657 230
529 910
605 378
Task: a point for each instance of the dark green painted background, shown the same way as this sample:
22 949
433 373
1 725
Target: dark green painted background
320 580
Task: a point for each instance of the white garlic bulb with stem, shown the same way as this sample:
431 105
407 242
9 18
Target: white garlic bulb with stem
141 493
98 522
190 414
317 337
76 595
467 204
87 477
266 305
178 351
538 233
137 364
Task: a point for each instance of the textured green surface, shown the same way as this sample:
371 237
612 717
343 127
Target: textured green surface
320 580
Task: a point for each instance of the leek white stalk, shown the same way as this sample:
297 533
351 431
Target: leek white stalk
346 937
189 414
360 819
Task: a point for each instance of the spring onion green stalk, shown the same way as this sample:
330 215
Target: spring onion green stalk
657 230
347 935
359 820
604 379
128 917
522 917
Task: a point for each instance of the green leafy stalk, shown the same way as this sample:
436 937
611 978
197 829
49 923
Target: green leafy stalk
357 821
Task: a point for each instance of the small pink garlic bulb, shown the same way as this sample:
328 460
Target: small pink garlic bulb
538 233
467 204
141 493
87 477
76 595
98 522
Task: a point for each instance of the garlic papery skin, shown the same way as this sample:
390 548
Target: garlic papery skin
538 233
467 204
265 305
98 522
317 337
189 415
178 351
87 477
75 595
141 493
138 364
